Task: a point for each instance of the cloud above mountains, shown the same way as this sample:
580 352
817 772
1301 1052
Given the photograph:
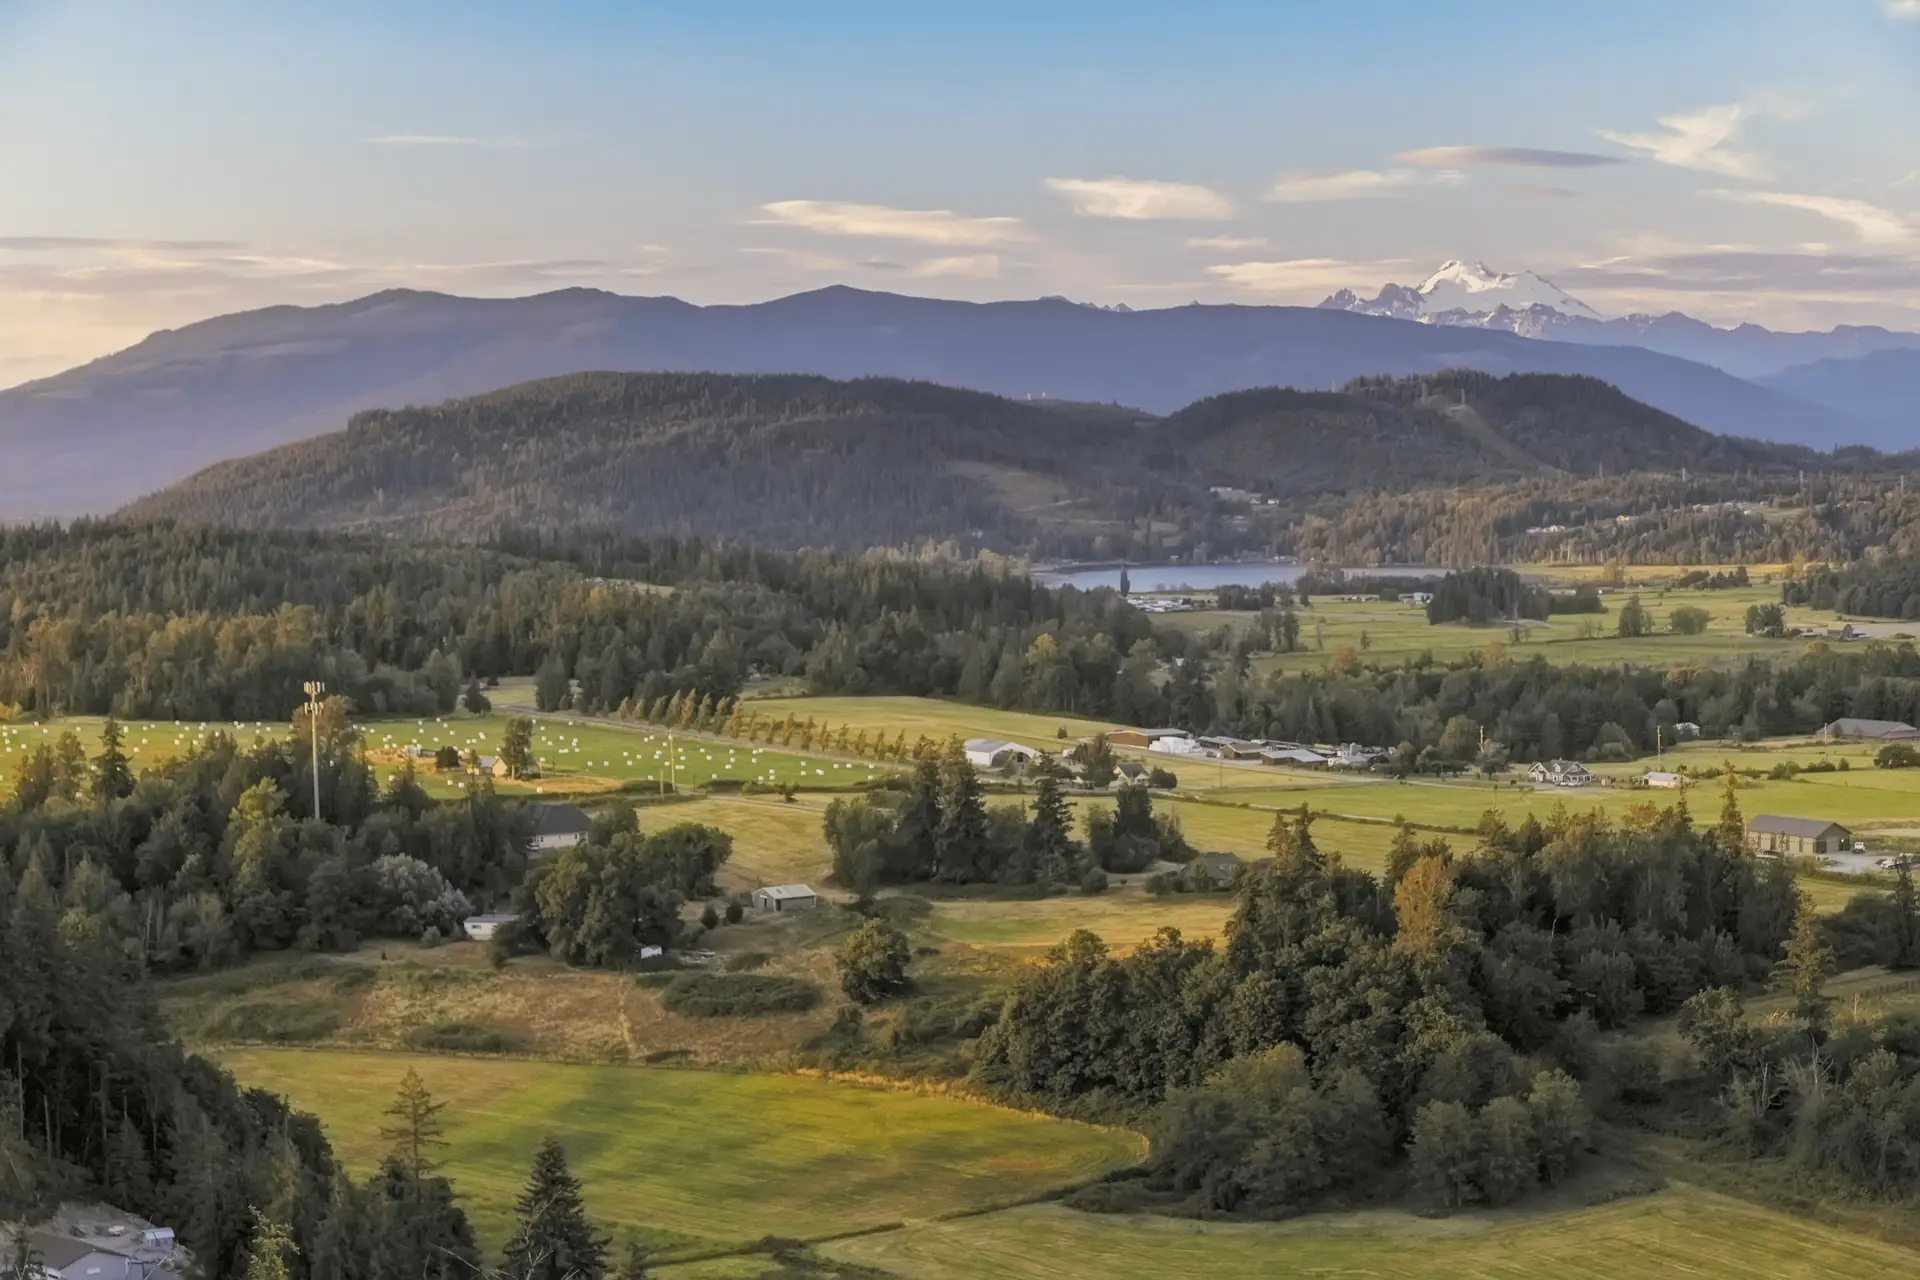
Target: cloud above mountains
1357 184
1505 158
1142 200
1702 140
878 221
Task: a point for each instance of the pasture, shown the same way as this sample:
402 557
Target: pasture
697 1158
1679 1232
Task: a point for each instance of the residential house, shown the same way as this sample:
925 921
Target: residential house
1667 781
1143 737
1797 837
1419 598
482 928
98 1242
1211 872
785 897
491 767
558 826
1870 730
1129 773
991 753
1560 773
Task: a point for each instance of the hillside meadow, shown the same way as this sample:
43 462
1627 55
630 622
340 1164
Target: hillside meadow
698 1158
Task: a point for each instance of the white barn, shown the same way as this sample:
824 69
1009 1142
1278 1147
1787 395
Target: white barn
785 897
991 753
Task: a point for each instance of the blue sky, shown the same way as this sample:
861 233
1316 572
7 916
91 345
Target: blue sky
1757 160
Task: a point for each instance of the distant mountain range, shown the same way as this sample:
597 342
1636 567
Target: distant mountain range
793 460
97 436
1851 369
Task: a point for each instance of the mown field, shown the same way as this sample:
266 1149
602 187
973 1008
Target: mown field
697 1157
1672 1233
1389 633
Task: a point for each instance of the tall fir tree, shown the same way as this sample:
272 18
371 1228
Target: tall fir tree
552 1239
112 775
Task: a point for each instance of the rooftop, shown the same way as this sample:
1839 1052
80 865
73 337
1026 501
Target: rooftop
788 891
1773 824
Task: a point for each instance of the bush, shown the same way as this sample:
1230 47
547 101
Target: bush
737 995
1161 779
1896 755
873 962
747 961
463 1037
735 913
709 918
272 1022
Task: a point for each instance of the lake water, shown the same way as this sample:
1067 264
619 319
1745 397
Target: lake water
1204 577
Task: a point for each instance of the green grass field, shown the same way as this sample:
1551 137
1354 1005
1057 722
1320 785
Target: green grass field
699 1157
1124 919
586 755
1669 1234
148 743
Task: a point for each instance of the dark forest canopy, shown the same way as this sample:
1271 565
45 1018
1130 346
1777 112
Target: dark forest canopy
1884 588
800 460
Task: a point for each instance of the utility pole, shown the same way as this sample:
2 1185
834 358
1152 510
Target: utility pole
673 767
314 689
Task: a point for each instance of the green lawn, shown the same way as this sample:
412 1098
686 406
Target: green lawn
1673 1233
148 743
1124 918
703 1157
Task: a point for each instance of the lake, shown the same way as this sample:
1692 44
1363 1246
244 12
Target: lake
1205 577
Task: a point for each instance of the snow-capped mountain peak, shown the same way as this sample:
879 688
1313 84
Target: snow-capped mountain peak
1474 287
1468 292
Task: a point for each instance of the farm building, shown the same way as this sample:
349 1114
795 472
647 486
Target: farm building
1143 737
1668 781
558 826
491 766
482 928
1560 773
1183 746
1870 730
1299 757
1797 837
785 897
1241 749
991 753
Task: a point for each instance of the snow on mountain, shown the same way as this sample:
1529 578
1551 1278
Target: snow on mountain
1469 293
1473 287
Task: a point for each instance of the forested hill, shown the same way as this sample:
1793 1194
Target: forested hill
799 460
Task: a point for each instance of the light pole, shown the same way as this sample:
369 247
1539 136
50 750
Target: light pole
314 689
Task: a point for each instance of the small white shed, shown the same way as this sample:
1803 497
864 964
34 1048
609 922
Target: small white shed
785 897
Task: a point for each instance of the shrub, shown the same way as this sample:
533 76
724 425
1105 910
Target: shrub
735 913
737 995
747 961
873 962
709 918
1095 881
1896 755
463 1037
271 1021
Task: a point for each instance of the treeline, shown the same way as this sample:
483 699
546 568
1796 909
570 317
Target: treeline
936 827
164 621
1437 1017
1539 711
1884 588
1481 596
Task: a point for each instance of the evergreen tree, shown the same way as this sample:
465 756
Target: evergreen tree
272 1244
1805 967
112 776
551 687
473 699
1050 830
960 845
1732 829
1905 917
552 1239
72 777
416 1131
516 748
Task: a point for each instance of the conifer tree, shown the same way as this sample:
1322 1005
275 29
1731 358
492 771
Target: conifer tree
1906 917
272 1243
1050 830
416 1131
1803 970
960 841
112 776
1732 828
552 1239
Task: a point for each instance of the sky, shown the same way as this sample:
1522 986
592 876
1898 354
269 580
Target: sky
1739 160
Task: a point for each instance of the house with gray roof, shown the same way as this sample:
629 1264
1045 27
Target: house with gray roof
1797 837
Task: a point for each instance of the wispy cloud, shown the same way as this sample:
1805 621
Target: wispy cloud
1504 158
1907 9
1142 199
974 266
1700 140
442 140
1871 223
1301 277
1358 184
926 226
1227 242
